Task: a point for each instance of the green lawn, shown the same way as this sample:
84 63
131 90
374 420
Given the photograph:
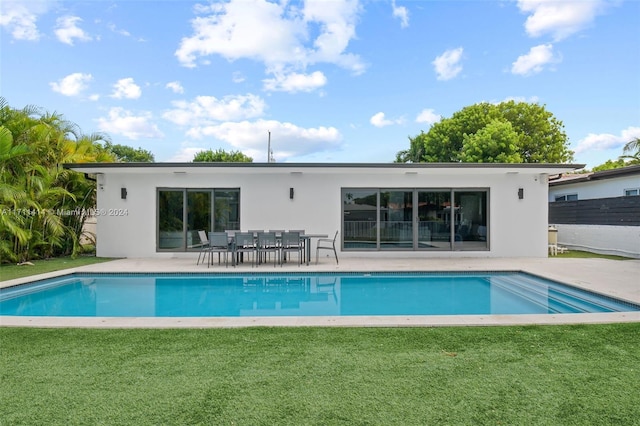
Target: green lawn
575 254
10 272
528 375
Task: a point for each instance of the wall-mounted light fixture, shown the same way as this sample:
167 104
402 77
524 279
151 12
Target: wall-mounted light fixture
520 193
123 193
291 193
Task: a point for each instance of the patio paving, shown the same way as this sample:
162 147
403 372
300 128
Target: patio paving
619 279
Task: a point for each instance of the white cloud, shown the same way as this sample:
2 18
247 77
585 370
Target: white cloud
535 61
287 139
67 30
125 123
560 18
379 120
19 17
186 153
295 82
447 65
603 141
280 35
126 88
71 85
401 13
530 99
117 30
207 109
175 86
428 116
237 77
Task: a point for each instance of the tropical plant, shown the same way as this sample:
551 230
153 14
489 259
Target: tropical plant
43 206
631 151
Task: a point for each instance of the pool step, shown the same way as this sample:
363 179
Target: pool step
554 298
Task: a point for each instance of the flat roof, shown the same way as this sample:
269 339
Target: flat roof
201 167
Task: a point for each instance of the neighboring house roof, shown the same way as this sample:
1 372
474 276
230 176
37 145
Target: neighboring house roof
604 174
409 168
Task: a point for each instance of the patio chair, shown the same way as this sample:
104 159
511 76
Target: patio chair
243 242
267 243
291 243
204 246
303 242
219 243
327 244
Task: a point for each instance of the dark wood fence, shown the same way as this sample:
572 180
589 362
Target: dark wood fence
620 211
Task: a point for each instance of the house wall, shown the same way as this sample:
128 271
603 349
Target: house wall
604 188
127 228
603 239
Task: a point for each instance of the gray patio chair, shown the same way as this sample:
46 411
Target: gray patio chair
243 242
303 241
267 243
327 244
204 246
219 243
291 243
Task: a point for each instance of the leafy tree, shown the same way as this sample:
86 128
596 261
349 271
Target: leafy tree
512 132
35 189
127 154
221 156
610 164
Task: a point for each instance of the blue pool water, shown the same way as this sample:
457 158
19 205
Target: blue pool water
300 294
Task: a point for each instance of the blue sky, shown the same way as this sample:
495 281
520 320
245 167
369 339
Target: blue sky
333 81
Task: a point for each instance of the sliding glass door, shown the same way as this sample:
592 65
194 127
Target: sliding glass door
183 212
415 219
396 220
434 220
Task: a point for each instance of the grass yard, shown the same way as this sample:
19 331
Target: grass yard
529 375
576 254
10 272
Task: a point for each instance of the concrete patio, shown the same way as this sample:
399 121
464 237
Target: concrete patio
619 279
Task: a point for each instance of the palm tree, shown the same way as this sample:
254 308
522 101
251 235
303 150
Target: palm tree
632 151
35 188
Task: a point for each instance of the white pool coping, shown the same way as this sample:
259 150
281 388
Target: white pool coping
619 279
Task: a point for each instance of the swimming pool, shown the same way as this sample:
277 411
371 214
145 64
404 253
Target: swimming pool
301 294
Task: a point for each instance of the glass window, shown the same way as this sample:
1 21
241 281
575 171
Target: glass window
396 219
200 210
360 213
631 192
198 216
566 197
415 219
434 217
470 220
226 210
170 219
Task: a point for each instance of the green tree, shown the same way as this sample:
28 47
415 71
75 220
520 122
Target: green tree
631 151
514 132
35 189
127 154
610 164
221 156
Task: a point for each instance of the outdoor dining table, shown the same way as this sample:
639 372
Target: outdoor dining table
306 241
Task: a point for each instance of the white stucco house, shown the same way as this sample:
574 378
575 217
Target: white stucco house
387 210
621 182
598 211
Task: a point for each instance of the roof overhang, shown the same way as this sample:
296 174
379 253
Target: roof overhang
323 168
604 174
